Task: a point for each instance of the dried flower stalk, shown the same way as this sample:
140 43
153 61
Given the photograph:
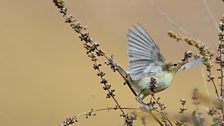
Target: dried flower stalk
71 120
182 122
93 52
220 61
204 51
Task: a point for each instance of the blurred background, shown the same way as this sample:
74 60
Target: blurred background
45 75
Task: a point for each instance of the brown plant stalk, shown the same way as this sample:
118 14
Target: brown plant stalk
204 51
220 61
93 52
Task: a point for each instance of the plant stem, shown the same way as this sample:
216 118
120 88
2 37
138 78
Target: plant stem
221 80
214 85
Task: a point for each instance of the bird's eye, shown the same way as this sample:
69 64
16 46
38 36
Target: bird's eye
174 64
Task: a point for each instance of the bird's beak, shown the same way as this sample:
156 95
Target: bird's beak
183 62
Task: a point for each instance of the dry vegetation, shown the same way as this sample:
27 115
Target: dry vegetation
159 114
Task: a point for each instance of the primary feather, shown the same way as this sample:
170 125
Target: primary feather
144 55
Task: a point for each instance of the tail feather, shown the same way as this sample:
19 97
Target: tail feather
122 72
126 77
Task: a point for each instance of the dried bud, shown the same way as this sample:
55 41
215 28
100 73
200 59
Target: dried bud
69 19
59 3
103 81
221 26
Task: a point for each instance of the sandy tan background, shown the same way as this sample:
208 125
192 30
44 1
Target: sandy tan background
45 75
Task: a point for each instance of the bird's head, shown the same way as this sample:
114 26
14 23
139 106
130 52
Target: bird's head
173 67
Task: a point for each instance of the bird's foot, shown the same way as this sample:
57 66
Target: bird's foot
144 105
147 106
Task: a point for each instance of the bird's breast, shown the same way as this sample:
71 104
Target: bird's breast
163 81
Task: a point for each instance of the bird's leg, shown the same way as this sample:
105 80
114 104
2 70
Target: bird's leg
140 98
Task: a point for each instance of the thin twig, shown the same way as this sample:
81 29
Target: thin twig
219 60
154 117
92 49
213 83
162 110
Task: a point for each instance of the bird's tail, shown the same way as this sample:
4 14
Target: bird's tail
126 77
122 72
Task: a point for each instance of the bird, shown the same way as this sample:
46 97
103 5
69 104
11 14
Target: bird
146 63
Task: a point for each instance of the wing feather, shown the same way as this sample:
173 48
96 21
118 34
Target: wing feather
144 54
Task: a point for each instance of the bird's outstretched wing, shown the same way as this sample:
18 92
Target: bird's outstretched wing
192 63
144 55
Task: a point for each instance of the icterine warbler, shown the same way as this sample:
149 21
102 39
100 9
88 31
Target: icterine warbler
146 62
